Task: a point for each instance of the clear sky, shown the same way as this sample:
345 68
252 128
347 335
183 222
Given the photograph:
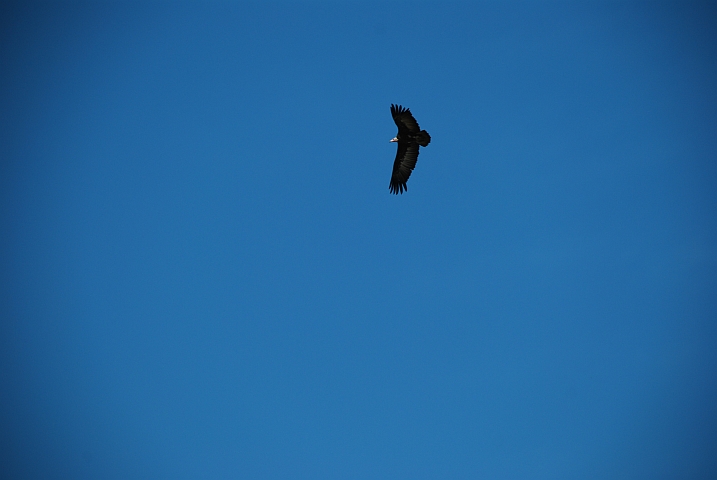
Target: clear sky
203 274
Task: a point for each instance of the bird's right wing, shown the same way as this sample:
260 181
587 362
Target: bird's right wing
406 158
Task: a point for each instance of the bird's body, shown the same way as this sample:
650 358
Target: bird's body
409 138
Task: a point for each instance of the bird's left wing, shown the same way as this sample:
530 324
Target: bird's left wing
404 119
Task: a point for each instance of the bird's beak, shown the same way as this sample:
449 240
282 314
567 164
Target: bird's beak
394 139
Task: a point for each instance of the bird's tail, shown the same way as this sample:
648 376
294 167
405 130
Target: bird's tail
423 138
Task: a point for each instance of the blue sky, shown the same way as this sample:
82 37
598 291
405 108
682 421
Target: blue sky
203 273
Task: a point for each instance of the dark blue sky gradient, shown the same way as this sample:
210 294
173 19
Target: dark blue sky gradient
203 274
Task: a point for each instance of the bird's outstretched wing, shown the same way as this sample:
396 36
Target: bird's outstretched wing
406 158
404 119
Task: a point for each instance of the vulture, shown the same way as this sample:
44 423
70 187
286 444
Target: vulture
409 138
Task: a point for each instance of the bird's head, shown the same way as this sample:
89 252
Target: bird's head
394 139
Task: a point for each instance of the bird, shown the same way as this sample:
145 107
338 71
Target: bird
409 138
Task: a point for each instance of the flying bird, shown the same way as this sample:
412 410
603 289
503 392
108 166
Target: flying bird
409 137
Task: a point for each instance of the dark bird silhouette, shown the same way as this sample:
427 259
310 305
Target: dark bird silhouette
409 138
